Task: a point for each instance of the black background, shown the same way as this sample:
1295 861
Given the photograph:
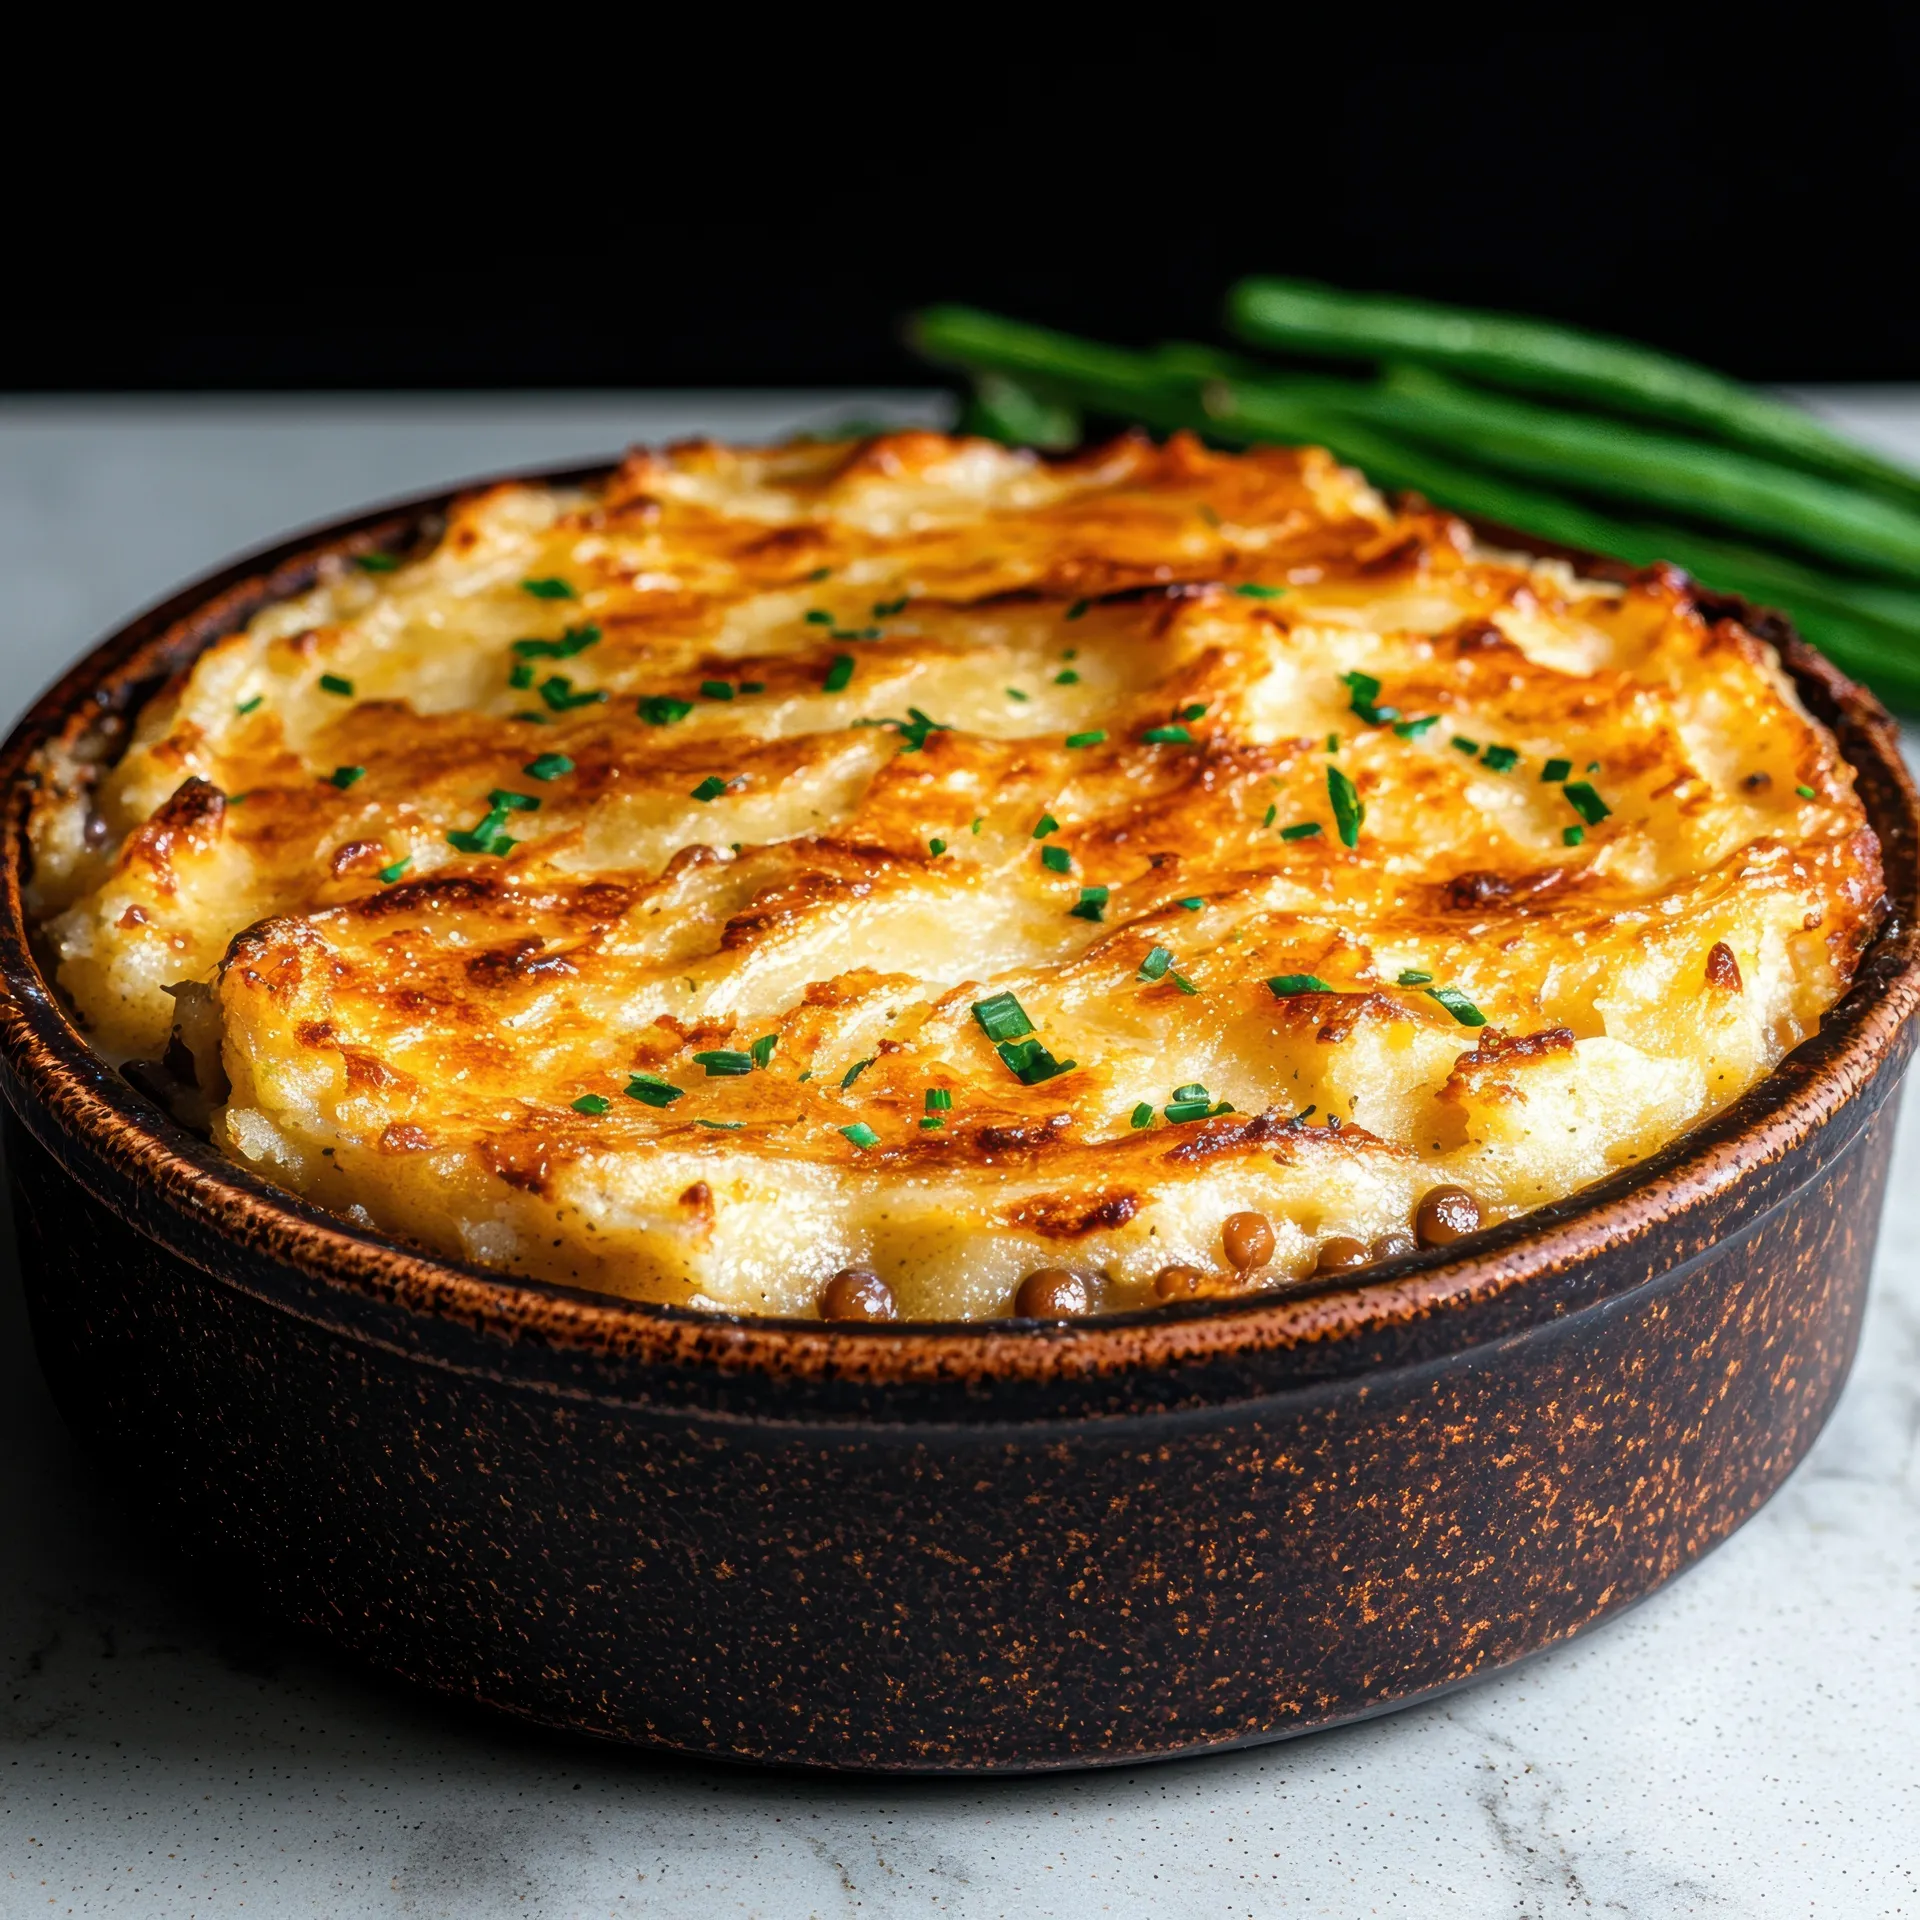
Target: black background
1744 191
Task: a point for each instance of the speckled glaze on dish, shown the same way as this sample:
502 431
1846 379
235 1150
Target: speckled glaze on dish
996 1547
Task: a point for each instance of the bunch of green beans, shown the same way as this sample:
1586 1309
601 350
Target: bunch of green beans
1745 493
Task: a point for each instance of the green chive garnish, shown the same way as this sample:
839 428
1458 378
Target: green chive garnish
1555 771
762 1049
507 801
1193 711
1305 830
1805 793
1143 1114
861 1135
1091 738
1283 985
1092 904
1572 836
1173 736
573 640
1002 1017
1248 590
1155 964
1078 608
1457 1004
375 562
1192 905
1413 729
1348 813
1269 817
393 873
1045 825
936 848
886 609
1461 744
247 706
1014 693
839 673
1588 804
821 573
1030 1063
939 1100
1333 743
1413 977
557 691
335 683
1066 677
1364 692
724 1063
344 777
548 589
1056 859
716 690
591 1103
854 1072
818 617
722 1126
651 1091
711 788
521 677
549 766
1500 759
657 710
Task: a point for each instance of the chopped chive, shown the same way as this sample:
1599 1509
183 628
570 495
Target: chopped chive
1002 1017
1805 793
1078 608
839 673
1014 693
1155 964
591 1103
393 873
1283 985
1250 590
711 788
1180 1110
521 675
535 719
854 1072
1069 653
548 589
1333 743
1193 1090
854 633
1031 1063
1091 738
1305 830
1572 836
1173 736
821 573
1348 813
762 1049
724 1063
753 686
557 691
1587 803
1056 859
722 1126
1193 904
375 562
507 801
939 1100
1045 825
1208 514
344 777
1413 729
1364 692
1269 817
716 690
808 1075
914 729
1143 1114
549 766
1181 981
1413 977
247 706
817 617
1593 766
1461 744
936 848
1193 710
931 1123
861 1135
1066 677
1092 904
651 1091
335 683
1500 759
886 609
979 821
573 640
1555 771
658 710
1457 1004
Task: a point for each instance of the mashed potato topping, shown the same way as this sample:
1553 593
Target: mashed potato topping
918 856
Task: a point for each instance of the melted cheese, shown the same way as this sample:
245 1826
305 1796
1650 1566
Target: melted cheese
1090 711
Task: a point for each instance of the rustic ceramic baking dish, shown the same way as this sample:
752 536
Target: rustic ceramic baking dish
943 1548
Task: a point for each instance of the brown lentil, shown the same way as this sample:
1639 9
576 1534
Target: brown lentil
1051 1293
1178 1282
1445 1214
1341 1253
1247 1239
1390 1246
857 1293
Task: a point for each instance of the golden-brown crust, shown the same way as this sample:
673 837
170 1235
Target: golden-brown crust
447 1019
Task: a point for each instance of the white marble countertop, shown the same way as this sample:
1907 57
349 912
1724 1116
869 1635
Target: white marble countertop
1745 1743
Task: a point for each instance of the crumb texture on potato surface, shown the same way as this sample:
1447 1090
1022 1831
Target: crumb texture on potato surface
605 891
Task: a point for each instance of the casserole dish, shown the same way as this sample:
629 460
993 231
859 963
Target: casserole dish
979 1547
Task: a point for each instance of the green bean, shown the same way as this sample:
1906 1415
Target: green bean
1005 408
1537 356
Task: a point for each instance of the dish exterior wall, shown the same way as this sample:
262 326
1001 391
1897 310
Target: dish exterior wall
875 1592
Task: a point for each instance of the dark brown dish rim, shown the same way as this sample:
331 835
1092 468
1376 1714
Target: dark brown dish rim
60 1087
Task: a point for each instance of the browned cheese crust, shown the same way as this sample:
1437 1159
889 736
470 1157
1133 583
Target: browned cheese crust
858 736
